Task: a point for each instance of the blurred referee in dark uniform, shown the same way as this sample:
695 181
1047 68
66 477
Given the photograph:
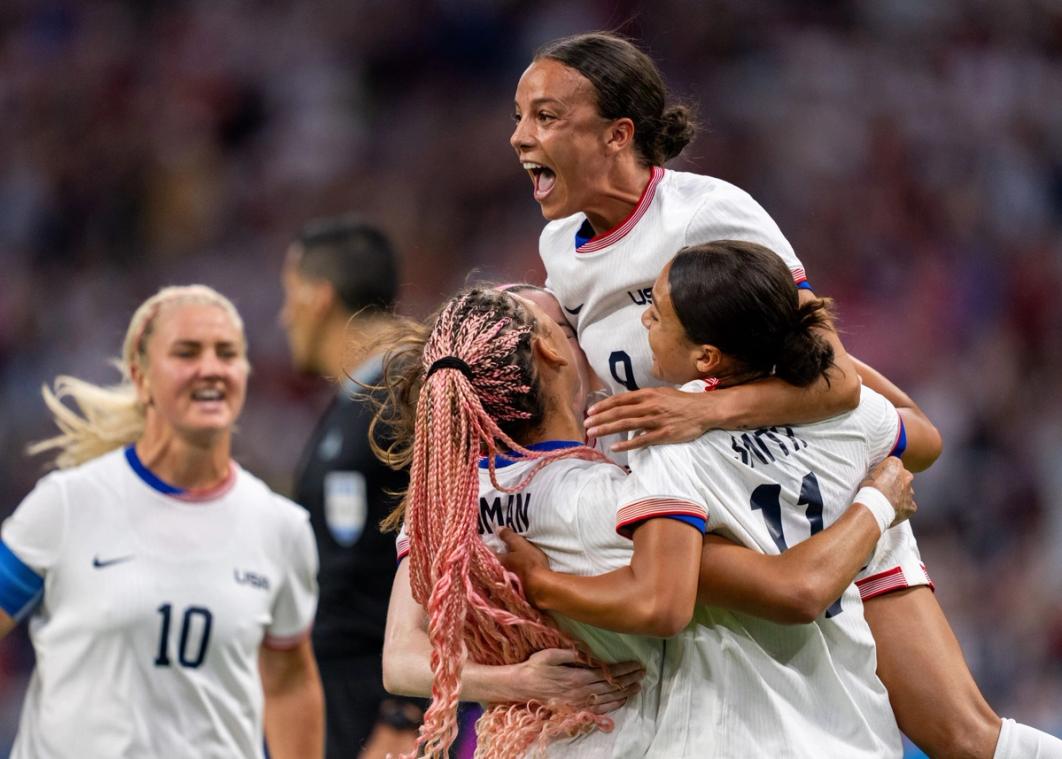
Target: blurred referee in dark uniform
339 279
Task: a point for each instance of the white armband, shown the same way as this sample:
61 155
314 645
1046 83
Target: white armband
880 506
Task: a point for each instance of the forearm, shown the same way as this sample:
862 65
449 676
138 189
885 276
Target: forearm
772 402
294 713
407 655
793 587
614 601
879 383
407 672
652 596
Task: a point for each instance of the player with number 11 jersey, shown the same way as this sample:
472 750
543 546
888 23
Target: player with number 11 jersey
769 489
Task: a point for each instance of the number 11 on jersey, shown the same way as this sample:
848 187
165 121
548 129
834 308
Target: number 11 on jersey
765 498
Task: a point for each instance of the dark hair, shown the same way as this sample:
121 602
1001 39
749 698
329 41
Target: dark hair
354 257
740 297
628 84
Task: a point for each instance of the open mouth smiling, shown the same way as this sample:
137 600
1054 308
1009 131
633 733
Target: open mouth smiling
208 395
543 178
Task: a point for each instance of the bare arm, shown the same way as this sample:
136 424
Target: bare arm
548 674
652 596
798 585
666 415
790 588
924 443
294 702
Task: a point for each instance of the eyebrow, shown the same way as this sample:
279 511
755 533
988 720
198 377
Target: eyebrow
198 343
541 101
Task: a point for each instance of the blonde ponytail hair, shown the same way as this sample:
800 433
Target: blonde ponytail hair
105 418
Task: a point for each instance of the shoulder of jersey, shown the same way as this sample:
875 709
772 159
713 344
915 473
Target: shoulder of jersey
870 399
564 468
562 229
585 468
692 187
250 487
100 470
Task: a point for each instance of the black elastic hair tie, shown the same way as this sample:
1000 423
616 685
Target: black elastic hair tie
450 362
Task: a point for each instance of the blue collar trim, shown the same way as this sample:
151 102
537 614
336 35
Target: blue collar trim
546 445
147 475
584 234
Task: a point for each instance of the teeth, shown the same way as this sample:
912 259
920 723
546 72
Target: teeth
532 166
207 395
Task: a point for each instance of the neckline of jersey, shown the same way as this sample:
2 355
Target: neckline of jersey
159 485
514 458
618 232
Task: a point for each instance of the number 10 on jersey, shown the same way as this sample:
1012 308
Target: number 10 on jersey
194 636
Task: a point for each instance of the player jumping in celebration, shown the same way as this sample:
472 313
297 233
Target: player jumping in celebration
170 591
497 373
593 130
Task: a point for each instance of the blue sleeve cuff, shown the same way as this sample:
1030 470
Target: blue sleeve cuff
901 442
626 529
696 522
20 586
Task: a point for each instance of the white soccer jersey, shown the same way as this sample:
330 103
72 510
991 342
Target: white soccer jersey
604 283
569 511
152 611
737 686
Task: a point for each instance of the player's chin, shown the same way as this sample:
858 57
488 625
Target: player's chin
554 207
211 422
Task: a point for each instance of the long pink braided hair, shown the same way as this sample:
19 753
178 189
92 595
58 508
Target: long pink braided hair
475 608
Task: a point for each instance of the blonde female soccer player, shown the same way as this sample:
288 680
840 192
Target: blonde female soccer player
169 592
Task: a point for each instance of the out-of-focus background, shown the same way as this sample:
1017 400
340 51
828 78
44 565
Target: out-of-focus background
911 151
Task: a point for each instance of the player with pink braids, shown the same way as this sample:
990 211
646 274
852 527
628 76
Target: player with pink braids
478 398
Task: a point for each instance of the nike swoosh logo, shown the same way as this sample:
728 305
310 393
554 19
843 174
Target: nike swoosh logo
100 564
575 311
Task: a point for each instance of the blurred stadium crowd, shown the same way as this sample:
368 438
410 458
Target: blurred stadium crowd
912 152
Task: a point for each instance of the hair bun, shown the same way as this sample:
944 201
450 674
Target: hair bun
805 353
677 127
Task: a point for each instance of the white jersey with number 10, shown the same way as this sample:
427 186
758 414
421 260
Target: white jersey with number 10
153 606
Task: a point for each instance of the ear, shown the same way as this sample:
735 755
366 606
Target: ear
546 353
708 360
620 135
322 297
141 383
